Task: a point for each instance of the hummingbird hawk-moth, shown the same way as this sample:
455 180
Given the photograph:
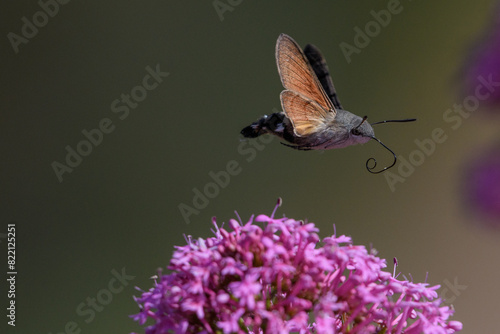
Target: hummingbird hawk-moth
312 116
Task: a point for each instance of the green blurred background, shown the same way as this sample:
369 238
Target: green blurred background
120 207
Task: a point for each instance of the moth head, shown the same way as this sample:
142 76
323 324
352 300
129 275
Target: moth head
360 130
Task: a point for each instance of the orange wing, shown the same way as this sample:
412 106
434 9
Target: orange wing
298 77
307 116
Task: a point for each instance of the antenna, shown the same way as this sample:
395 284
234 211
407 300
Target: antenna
364 119
395 120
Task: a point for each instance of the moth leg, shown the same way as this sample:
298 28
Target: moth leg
297 147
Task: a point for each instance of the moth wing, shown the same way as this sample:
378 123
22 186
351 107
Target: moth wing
297 74
307 116
318 64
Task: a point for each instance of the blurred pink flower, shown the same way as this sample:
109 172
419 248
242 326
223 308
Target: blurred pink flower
276 277
482 185
483 64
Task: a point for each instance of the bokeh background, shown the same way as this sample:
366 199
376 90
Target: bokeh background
119 208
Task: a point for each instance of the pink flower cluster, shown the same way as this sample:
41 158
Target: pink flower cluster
276 277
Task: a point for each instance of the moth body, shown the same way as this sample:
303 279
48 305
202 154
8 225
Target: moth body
312 116
334 132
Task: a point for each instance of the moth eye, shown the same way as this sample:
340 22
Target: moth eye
356 132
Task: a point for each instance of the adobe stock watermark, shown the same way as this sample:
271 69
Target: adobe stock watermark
453 117
450 291
373 28
92 305
121 107
219 180
30 26
223 6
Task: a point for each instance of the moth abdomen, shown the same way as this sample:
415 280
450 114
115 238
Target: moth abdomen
275 124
